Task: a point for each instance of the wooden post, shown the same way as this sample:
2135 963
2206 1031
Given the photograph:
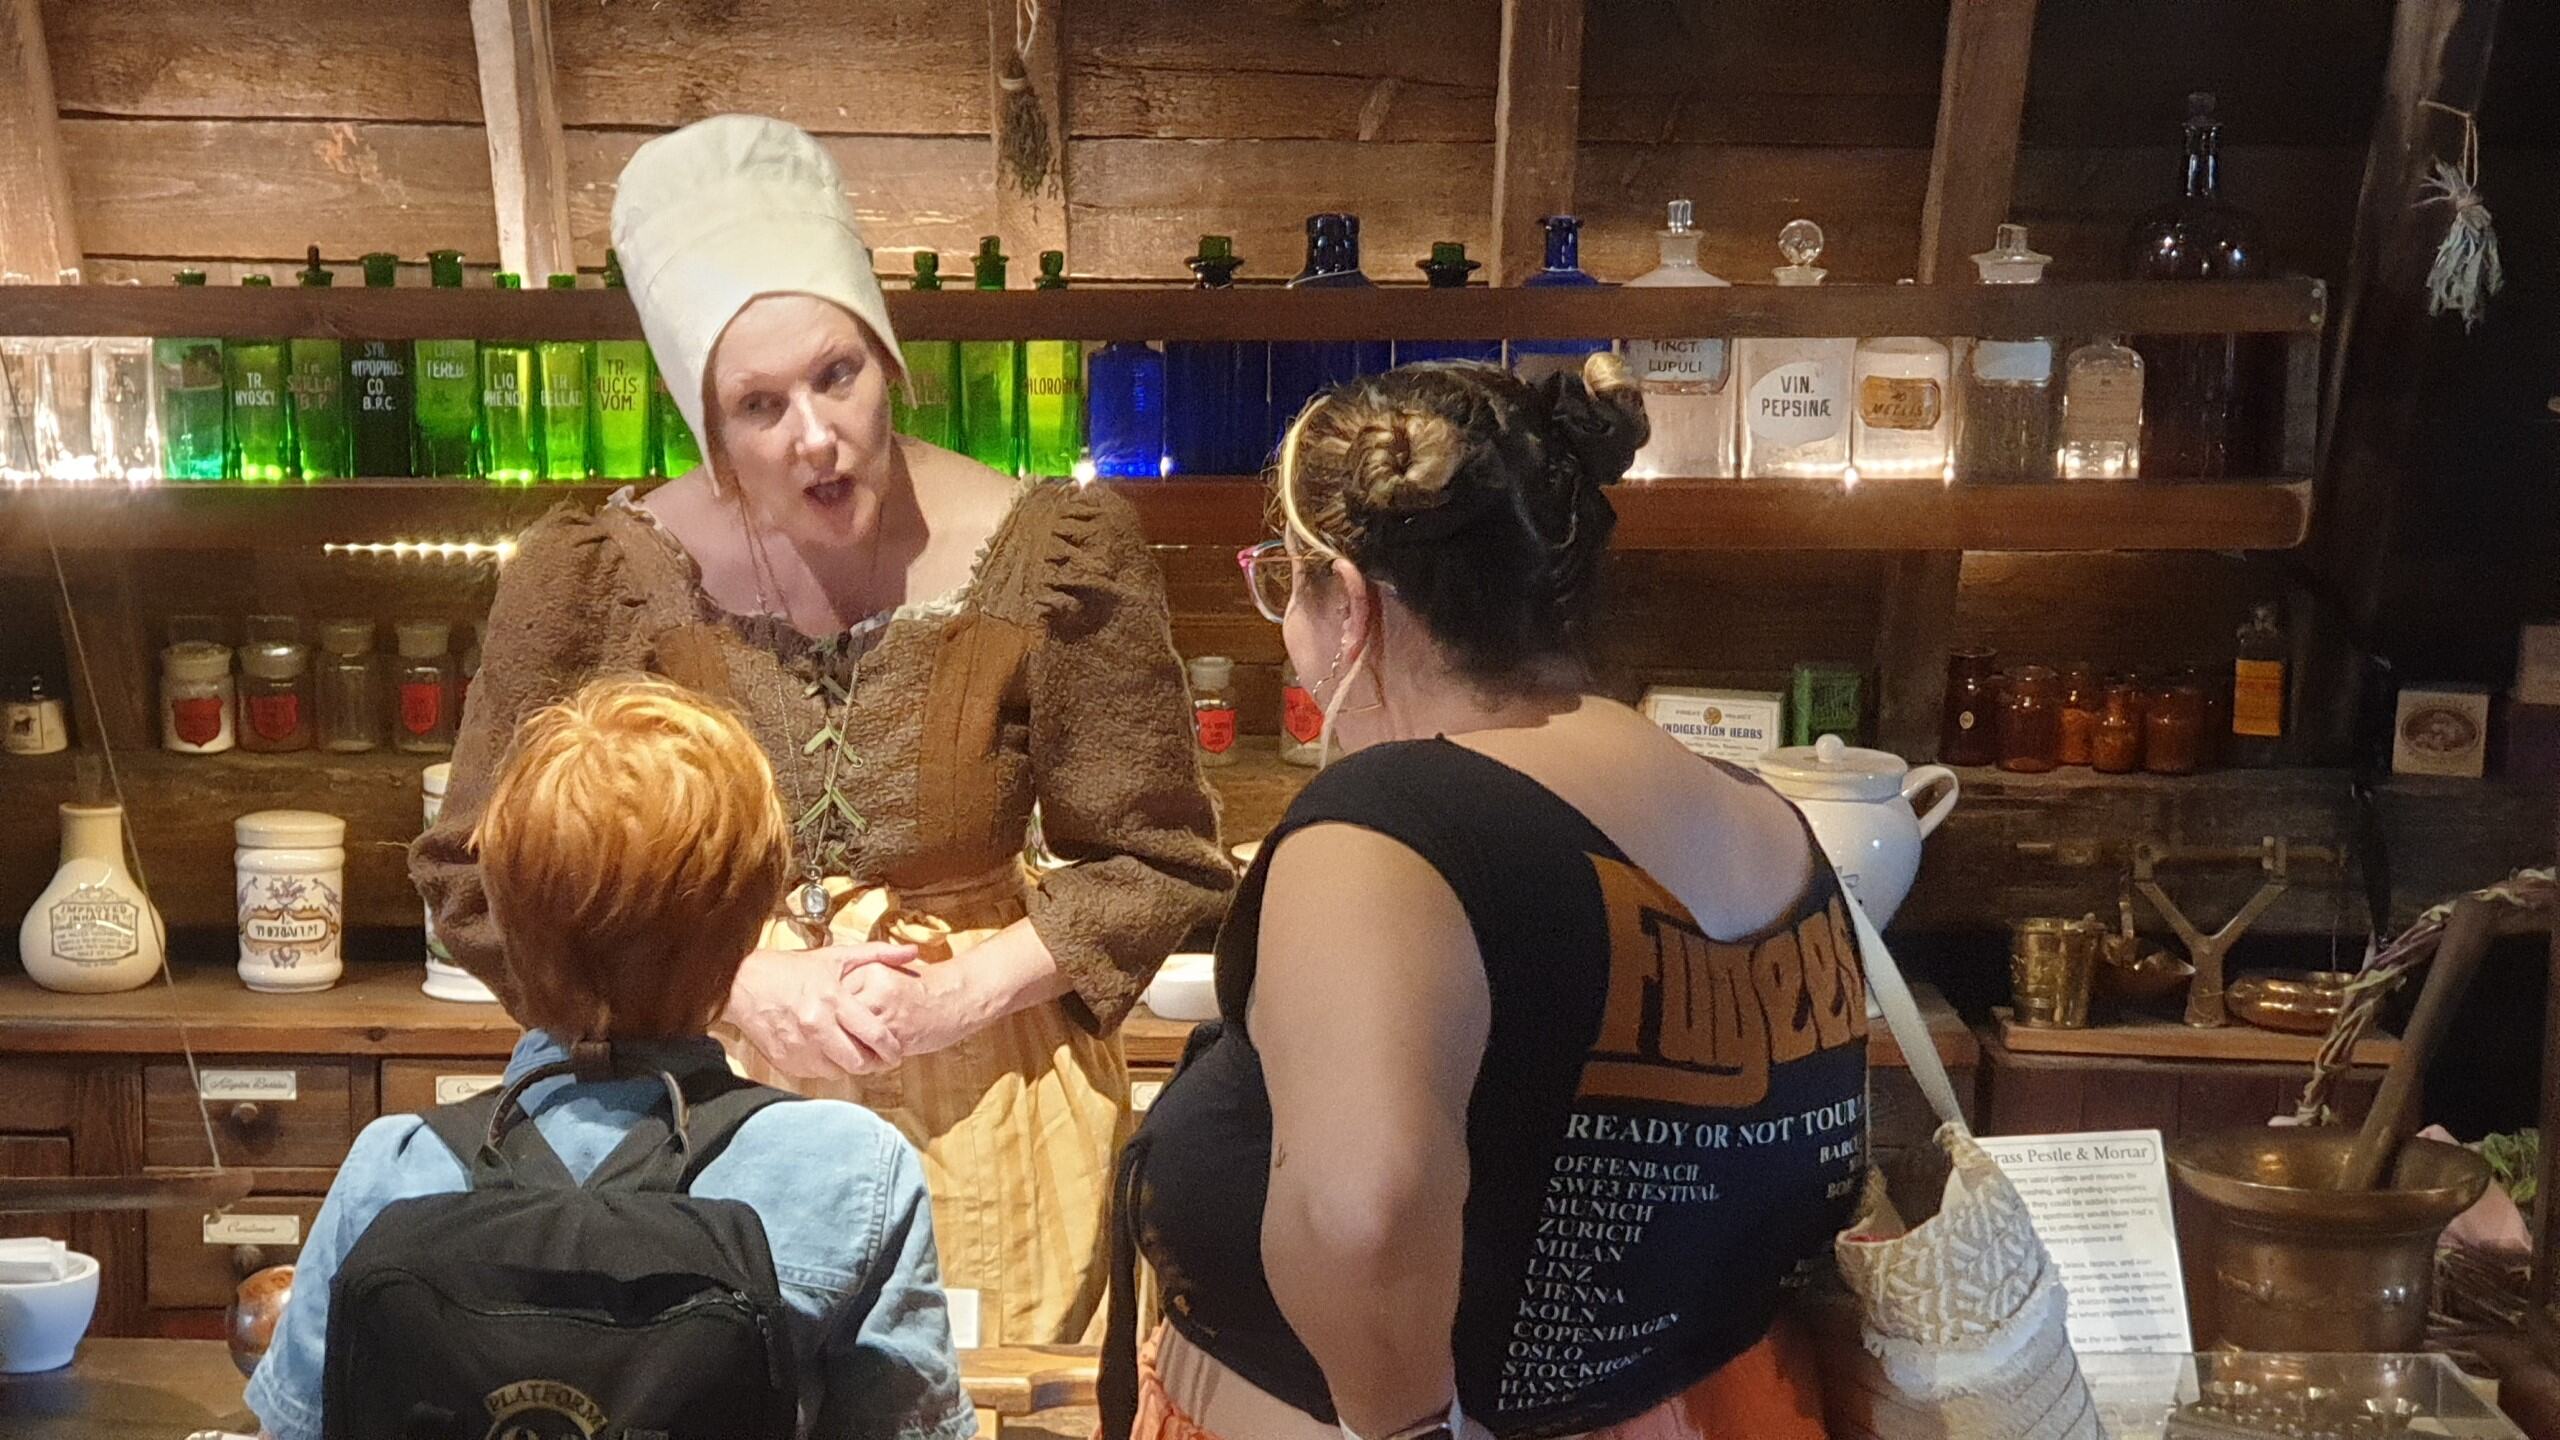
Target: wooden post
1537 122
1027 103
1981 94
36 234
528 165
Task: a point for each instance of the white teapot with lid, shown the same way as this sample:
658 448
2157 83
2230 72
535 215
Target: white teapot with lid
1863 806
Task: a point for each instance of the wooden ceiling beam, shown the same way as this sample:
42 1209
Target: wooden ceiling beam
528 162
1537 125
37 237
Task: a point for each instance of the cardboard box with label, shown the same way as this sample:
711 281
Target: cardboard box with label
2441 730
1736 725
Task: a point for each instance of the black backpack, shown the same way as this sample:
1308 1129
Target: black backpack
529 1307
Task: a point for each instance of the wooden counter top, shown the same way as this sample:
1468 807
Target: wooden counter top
163 1389
379 1010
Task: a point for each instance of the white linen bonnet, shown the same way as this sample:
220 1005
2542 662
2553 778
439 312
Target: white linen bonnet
722 211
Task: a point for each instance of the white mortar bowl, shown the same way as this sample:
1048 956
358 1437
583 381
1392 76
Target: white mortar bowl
42 1321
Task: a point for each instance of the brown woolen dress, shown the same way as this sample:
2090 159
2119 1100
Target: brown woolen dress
1050 678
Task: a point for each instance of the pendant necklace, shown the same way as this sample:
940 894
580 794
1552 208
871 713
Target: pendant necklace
808 908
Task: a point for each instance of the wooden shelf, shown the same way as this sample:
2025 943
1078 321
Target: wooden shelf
2063 308
1877 515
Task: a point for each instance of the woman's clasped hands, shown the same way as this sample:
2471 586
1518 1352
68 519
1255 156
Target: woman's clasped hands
854 1009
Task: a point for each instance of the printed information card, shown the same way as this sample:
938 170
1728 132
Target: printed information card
2101 1203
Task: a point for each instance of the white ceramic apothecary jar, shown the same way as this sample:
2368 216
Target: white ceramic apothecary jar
1862 805
445 980
92 931
292 867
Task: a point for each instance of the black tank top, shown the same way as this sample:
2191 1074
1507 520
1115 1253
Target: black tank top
1664 1126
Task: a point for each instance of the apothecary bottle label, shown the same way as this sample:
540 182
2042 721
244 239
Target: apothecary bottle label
2105 403
2257 699
1300 715
1797 404
421 707
2014 362
1217 729
286 920
196 722
1678 366
94 925
275 717
1888 402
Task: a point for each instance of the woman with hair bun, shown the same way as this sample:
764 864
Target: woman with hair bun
1541 1066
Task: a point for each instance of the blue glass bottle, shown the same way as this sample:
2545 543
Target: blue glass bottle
1124 422
1535 360
1448 269
1217 392
1301 369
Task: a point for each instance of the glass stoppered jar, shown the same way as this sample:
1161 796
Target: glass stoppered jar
2005 434
275 697
424 687
349 688
1795 390
1213 709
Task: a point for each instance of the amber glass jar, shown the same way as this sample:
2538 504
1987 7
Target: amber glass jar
2173 732
1971 733
2031 720
2081 701
2115 740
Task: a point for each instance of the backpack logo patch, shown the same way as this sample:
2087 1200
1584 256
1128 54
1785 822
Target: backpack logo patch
543 1410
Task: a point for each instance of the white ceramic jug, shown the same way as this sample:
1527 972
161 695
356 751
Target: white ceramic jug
1863 806
92 930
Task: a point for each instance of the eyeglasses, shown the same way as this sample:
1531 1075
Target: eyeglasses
1270 577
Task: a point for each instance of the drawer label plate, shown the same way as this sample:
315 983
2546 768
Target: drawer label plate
271 1085
253 1229
454 1089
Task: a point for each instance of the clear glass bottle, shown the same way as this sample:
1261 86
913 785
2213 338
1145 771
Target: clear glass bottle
2006 432
66 415
447 389
1213 709
194 410
1535 360
2201 423
927 408
21 397
316 382
563 367
1301 721
1795 391
199 712
1900 420
1052 391
1126 411
510 406
624 385
2100 436
2258 689
125 423
1217 392
261 422
1688 389
382 410
349 686
991 380
423 687
275 697
1447 268
1301 369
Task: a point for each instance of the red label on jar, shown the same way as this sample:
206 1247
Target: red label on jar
421 707
196 722
275 717
1217 731
1301 715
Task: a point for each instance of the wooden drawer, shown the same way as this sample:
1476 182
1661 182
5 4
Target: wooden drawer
409 1086
192 1266
311 1130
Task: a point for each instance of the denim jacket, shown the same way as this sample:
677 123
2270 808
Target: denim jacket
841 1195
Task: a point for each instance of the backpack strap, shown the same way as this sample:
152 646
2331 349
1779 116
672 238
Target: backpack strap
497 1152
666 1151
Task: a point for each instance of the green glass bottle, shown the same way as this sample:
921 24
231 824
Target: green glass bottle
447 375
510 405
1053 391
565 367
381 408
261 423
624 386
991 382
678 452
927 409
195 436
316 375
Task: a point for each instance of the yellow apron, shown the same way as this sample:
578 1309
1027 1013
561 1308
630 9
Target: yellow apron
1018 1123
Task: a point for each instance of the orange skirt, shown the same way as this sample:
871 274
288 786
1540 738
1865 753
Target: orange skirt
1772 1391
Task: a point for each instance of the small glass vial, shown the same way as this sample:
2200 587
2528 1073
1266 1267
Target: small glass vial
1900 423
1795 392
2115 744
275 696
2081 702
2007 384
31 718
2173 731
198 703
1301 721
2101 430
349 686
1970 734
1213 709
291 868
2031 721
424 688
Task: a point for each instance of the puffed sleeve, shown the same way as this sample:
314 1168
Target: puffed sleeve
565 613
1121 793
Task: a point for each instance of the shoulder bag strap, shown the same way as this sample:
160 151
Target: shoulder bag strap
1902 1015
